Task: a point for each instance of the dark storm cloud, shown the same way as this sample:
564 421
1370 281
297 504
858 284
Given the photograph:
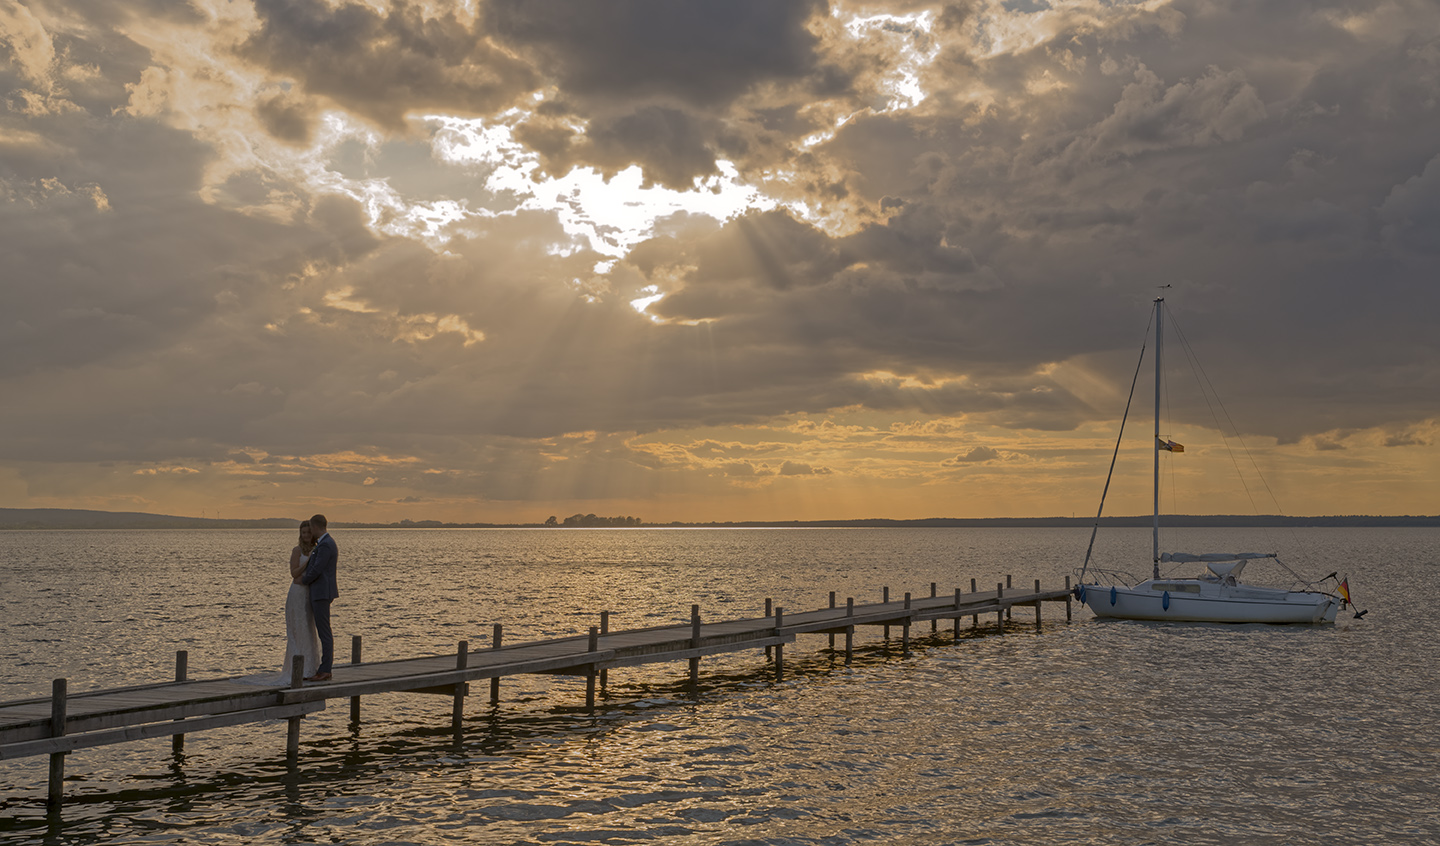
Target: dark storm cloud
136 312
91 291
1410 215
287 117
382 66
702 53
1277 163
1290 208
657 82
675 145
671 86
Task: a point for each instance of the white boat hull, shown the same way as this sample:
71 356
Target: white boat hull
1214 596
1247 605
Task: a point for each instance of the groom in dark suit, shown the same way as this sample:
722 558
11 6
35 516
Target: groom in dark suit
320 576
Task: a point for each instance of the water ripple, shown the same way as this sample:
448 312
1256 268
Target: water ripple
1090 733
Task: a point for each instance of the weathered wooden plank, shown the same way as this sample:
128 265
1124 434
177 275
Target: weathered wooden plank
406 683
71 742
677 645
839 622
102 704
137 715
24 713
77 695
682 654
969 609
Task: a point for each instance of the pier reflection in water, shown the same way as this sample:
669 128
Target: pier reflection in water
1095 732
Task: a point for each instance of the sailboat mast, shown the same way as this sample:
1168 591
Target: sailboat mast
1155 443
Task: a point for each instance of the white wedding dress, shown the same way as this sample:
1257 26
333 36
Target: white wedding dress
301 638
300 635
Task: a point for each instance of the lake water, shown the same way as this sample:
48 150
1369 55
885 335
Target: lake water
1083 733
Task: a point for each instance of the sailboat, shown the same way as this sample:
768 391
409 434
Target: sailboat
1214 594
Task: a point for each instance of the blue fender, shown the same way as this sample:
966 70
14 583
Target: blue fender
1165 600
1080 592
1113 595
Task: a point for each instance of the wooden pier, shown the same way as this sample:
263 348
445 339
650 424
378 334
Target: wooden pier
65 722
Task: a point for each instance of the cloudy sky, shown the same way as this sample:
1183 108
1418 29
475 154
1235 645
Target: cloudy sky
498 260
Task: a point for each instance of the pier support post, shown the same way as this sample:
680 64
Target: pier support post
1067 599
495 682
974 618
832 634
769 612
355 659
1011 608
1000 612
56 793
957 613
695 644
849 631
604 630
182 659
905 629
592 646
292 732
462 658
779 647
1037 605
934 624
885 598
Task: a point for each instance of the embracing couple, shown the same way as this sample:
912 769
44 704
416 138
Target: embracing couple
307 606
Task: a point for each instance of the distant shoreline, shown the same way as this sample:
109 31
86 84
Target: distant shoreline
42 519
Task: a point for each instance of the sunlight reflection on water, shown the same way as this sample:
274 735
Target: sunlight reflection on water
1088 733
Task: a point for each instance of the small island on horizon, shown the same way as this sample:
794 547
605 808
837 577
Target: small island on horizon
68 518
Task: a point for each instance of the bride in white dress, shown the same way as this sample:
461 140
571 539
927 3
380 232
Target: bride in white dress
300 635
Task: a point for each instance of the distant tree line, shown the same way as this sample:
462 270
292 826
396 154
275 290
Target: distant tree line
590 521
65 518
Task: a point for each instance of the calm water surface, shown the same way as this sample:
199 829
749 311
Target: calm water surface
1104 733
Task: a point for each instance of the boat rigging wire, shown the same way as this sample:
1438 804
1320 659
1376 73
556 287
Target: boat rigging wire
1209 393
1116 454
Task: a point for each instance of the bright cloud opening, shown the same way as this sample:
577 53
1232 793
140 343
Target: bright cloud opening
611 215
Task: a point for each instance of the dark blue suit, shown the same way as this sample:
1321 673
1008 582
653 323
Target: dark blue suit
320 576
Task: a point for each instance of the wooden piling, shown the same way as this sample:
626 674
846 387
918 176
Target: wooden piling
974 618
1000 612
885 598
594 646
849 631
779 647
1037 605
462 658
694 644
957 616
905 628
355 659
292 733
1011 608
182 659
1067 599
56 793
769 612
495 682
934 624
604 630
832 634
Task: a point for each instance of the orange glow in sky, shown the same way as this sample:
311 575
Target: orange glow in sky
761 260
